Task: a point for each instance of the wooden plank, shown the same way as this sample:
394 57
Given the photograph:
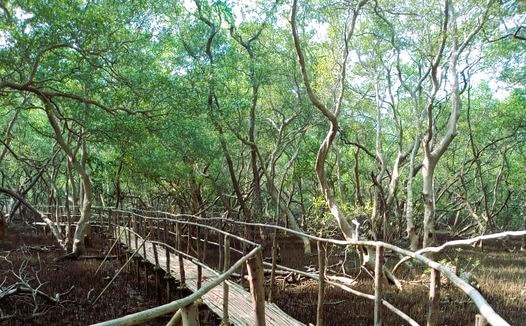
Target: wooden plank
238 296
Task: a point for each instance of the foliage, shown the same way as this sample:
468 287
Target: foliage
132 81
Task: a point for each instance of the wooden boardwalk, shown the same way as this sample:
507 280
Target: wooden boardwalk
240 301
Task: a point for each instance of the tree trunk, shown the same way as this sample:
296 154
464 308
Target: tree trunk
428 196
332 117
359 197
85 212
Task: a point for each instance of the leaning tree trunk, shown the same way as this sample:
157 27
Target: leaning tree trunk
80 168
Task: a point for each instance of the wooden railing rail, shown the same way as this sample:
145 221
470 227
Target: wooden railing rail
172 307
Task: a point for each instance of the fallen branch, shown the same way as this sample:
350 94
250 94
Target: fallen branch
21 288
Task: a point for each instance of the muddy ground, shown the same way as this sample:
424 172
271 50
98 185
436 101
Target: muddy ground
28 255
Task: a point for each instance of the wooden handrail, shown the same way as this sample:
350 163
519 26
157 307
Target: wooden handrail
484 308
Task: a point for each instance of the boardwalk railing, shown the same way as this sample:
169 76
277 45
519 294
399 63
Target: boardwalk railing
195 235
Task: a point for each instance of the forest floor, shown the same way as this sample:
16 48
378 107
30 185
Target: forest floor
28 257
499 271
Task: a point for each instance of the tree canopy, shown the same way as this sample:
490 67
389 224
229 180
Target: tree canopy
407 118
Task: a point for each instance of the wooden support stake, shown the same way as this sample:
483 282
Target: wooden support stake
146 286
157 287
145 232
118 236
480 320
199 276
320 311
378 277
110 221
205 246
188 240
128 244
190 315
273 269
168 280
220 252
257 287
226 265
434 298
168 275
136 230
179 247
138 270
128 225
155 255
197 242
166 249
158 226
156 269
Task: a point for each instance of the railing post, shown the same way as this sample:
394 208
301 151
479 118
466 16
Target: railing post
158 227
136 257
480 320
168 275
434 298
118 235
320 311
274 262
179 247
166 241
128 226
110 222
145 231
128 241
198 242
257 287
198 255
378 276
156 269
190 315
144 228
220 253
136 230
205 246
188 240
226 265
199 276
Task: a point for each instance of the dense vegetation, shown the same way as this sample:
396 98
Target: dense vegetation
419 108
